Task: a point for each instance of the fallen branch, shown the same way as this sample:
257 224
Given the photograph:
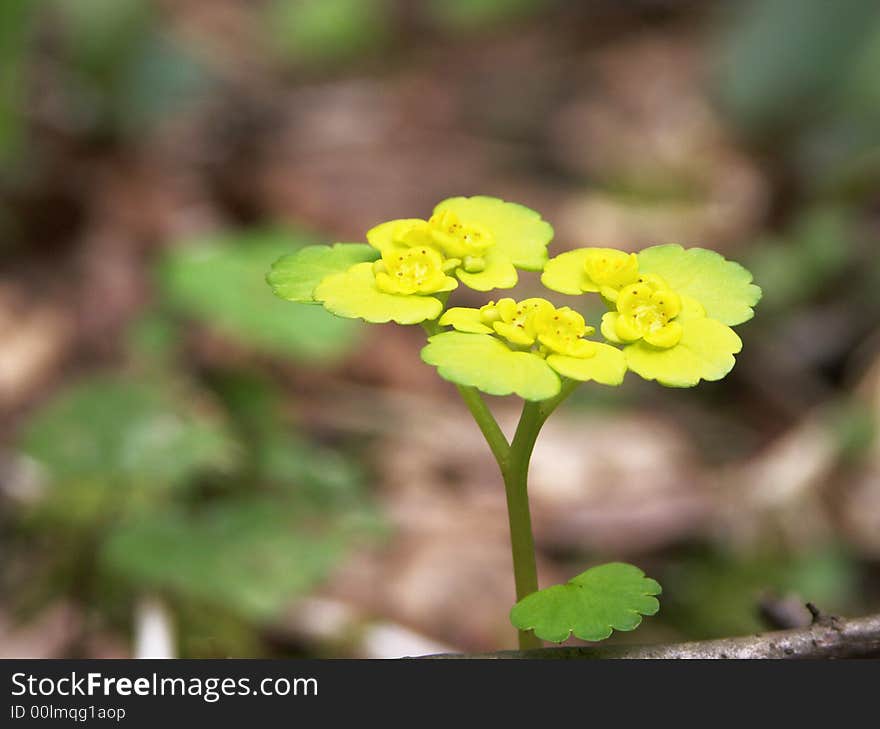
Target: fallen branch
827 637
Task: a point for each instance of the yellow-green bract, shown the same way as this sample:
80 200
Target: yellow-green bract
522 348
671 308
410 265
670 315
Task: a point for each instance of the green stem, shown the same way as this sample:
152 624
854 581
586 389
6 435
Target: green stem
513 460
548 406
516 478
487 423
522 543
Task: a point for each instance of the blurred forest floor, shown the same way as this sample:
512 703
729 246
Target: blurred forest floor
281 483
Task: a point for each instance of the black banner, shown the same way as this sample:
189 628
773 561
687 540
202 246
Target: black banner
266 693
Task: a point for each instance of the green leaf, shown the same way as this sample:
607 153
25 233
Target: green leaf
608 597
152 340
328 30
111 444
295 277
464 15
120 431
724 288
279 456
16 21
251 556
484 362
102 34
220 280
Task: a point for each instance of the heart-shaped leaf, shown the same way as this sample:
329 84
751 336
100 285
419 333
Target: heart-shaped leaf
609 597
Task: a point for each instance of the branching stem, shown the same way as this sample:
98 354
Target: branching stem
513 460
488 425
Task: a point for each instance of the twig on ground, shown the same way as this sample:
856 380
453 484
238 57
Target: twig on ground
826 637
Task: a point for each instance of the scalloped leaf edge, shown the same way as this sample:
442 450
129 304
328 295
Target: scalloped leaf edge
318 262
651 588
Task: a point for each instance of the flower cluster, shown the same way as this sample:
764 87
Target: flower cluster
671 308
408 267
670 314
491 342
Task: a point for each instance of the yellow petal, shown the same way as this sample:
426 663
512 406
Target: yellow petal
609 327
515 333
627 328
506 308
464 319
610 267
390 234
667 302
634 296
565 273
666 336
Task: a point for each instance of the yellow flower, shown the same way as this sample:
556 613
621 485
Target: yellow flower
479 241
647 310
591 270
669 338
522 347
412 271
672 308
482 240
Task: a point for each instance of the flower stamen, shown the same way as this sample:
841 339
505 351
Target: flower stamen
647 310
458 239
611 270
409 271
